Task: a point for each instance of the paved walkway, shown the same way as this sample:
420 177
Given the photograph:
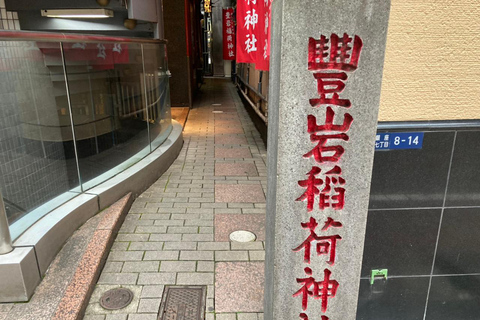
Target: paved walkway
177 232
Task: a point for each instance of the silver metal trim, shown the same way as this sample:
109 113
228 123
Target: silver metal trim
5 238
74 138
146 99
15 35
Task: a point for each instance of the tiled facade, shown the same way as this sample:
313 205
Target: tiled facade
8 19
422 227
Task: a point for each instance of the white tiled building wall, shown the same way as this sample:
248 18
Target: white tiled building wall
8 19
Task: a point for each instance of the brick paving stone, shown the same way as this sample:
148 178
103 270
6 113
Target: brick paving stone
232 153
230 139
165 237
178 266
157 278
132 237
182 229
235 169
179 227
145 246
231 255
246 279
205 266
125 255
247 316
152 291
143 316
141 266
149 305
113 266
226 316
150 229
255 245
256 255
214 246
89 317
116 317
180 245
239 193
118 278
197 237
161 255
196 255
195 278
120 246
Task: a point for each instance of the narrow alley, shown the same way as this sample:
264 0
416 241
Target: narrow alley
177 232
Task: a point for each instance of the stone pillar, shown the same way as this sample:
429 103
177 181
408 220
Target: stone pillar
323 107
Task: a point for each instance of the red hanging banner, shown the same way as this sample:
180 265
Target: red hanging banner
247 30
264 20
228 34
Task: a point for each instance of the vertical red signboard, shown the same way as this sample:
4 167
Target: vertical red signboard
228 34
247 30
264 20
330 59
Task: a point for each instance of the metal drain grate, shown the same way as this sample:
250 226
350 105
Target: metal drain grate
183 303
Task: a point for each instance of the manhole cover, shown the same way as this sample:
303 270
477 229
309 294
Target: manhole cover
183 303
242 236
116 299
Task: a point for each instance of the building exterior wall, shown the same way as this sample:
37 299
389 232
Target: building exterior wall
178 64
431 65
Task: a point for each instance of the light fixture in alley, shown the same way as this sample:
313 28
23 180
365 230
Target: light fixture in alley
78 13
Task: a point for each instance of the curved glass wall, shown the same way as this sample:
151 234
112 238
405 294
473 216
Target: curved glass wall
74 114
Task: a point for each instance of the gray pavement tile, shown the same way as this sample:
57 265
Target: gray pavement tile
152 291
149 305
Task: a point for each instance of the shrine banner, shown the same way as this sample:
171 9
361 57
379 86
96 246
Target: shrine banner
247 30
228 34
263 56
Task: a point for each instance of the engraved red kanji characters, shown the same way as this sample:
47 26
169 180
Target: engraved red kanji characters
311 185
324 245
330 223
329 197
313 127
304 316
322 290
330 84
333 197
321 152
342 56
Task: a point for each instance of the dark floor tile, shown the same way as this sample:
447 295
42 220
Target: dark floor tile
402 241
464 184
454 298
412 178
393 299
459 243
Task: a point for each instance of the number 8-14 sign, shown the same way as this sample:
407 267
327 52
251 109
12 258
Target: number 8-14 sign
399 140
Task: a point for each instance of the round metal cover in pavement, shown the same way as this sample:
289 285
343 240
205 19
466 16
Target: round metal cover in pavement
115 299
242 236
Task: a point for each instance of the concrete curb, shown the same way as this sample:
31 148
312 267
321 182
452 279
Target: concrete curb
75 300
